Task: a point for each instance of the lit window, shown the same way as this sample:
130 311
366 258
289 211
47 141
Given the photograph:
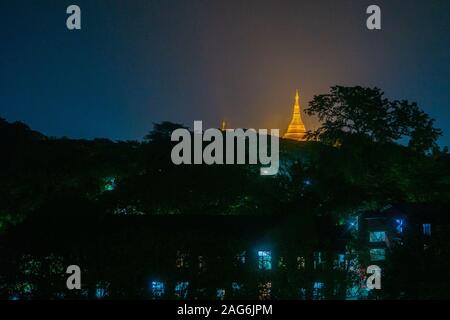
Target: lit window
318 288
157 289
100 293
399 225
181 289
264 260
101 290
109 184
236 286
340 261
265 290
377 236
352 293
220 294
182 261
301 262
377 254
426 229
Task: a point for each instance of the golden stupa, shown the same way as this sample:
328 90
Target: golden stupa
296 129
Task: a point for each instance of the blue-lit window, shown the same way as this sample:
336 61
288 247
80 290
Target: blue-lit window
264 260
157 289
399 225
377 236
340 261
181 289
220 294
318 288
426 229
100 292
377 254
236 286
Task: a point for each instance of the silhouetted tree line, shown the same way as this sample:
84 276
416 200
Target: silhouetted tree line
357 164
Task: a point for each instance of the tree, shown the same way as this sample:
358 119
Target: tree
162 131
366 112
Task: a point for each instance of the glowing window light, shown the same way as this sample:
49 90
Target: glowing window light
399 225
301 263
318 290
264 260
377 254
265 290
426 229
340 261
220 294
109 183
181 289
157 289
236 286
182 260
377 236
100 293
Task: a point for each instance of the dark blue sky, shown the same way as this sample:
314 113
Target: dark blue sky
136 62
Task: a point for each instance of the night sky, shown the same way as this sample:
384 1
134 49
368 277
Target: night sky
139 62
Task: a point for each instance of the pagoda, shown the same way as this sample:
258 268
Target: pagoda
296 129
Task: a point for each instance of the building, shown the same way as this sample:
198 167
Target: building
222 257
296 130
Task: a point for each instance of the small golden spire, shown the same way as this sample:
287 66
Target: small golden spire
296 129
224 125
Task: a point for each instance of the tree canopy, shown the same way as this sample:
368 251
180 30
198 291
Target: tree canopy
366 111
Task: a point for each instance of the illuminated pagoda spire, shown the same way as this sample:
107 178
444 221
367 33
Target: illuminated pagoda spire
296 129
